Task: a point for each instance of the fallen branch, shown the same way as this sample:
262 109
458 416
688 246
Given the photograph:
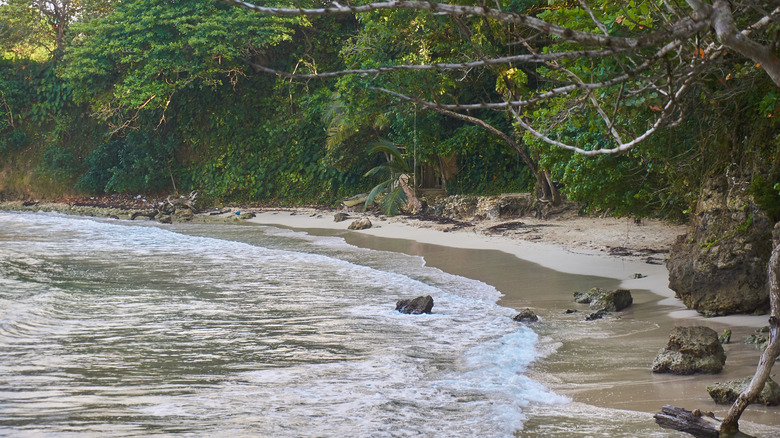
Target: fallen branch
696 423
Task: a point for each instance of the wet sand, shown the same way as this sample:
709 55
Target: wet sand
602 365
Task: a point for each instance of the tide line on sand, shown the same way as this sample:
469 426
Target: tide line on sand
559 248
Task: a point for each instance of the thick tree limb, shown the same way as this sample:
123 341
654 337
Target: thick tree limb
681 30
722 21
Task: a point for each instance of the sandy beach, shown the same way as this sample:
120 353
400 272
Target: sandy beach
603 364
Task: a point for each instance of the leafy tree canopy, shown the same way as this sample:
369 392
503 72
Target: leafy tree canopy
143 53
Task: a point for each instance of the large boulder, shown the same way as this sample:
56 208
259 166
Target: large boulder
719 266
691 350
415 306
726 393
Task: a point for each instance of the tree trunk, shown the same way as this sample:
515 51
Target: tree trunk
730 423
555 195
412 204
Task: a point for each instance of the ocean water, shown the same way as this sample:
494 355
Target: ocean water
117 328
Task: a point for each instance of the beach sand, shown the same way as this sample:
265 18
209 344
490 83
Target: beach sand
598 364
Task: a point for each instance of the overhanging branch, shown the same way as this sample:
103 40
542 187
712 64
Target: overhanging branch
683 29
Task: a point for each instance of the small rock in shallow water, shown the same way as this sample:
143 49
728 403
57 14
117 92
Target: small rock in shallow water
526 316
415 306
596 315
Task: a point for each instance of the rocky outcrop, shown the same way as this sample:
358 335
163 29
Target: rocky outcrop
691 350
415 306
526 316
464 208
726 393
360 224
719 267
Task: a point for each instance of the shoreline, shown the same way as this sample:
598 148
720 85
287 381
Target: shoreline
577 246
624 380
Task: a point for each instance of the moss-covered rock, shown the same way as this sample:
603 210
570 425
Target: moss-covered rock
613 301
691 350
526 316
719 267
601 299
727 392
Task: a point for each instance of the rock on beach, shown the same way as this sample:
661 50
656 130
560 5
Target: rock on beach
360 224
691 350
727 392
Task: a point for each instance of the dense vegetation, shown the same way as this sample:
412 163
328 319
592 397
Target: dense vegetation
161 96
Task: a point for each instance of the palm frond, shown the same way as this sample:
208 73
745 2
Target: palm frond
379 188
393 202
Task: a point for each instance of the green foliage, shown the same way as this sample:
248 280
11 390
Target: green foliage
141 161
13 140
158 95
766 192
486 165
393 197
59 164
145 52
22 30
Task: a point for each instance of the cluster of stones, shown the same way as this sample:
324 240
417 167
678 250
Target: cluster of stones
604 302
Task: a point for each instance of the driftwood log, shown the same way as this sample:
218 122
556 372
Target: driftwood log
171 204
696 423
680 419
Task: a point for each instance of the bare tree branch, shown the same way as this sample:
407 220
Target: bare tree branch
668 109
679 71
681 30
530 58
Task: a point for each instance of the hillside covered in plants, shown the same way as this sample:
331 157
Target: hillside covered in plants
155 97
